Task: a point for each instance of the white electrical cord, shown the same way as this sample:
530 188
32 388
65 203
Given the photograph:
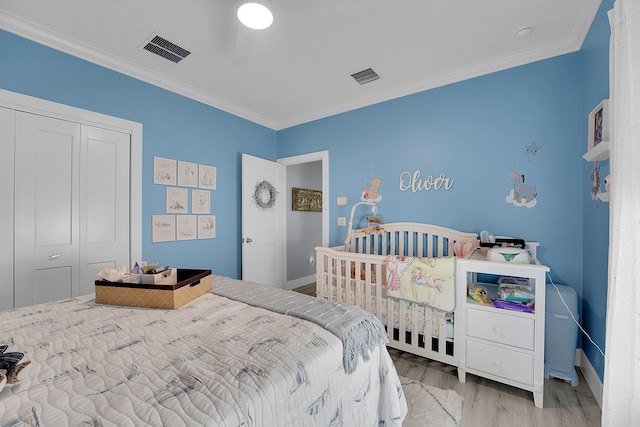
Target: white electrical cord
572 316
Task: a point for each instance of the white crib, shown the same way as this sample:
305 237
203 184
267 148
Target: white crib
356 274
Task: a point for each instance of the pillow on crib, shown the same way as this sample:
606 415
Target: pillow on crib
426 281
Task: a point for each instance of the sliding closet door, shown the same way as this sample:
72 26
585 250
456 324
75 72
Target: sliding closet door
47 153
104 203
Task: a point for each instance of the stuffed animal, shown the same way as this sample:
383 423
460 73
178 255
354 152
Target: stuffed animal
10 366
480 294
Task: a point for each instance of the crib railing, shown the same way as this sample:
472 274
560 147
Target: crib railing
408 239
356 274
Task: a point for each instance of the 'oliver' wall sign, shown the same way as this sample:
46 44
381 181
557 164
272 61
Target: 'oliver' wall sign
415 183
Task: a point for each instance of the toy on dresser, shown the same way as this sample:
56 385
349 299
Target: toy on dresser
10 366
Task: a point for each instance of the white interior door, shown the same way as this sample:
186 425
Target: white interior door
262 221
104 202
46 209
72 206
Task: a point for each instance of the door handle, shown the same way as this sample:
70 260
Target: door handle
248 240
54 257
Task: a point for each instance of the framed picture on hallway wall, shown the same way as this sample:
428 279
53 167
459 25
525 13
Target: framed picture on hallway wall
306 200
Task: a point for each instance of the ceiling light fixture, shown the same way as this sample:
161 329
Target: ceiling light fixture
523 33
255 14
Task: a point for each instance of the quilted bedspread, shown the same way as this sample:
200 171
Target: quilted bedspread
214 362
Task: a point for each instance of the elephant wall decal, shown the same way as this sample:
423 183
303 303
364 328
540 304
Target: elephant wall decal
522 193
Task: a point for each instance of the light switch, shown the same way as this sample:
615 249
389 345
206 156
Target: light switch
342 221
342 201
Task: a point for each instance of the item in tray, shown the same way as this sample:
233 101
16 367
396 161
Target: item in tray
154 268
515 289
479 294
508 293
512 305
517 281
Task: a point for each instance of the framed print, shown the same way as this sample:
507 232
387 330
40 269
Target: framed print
599 124
163 228
187 174
306 200
164 171
207 177
200 201
185 227
177 200
206 226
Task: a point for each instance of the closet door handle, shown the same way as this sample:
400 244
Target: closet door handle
54 257
248 240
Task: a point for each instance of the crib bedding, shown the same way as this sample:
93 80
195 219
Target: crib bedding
358 273
438 318
213 362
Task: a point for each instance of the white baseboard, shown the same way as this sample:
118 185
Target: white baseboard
292 284
593 380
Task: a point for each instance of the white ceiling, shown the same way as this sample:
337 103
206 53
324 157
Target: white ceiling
300 68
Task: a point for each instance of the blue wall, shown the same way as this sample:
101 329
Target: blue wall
595 88
474 132
173 126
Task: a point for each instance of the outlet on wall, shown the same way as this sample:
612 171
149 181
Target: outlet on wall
342 221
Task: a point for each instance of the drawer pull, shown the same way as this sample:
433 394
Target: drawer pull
496 363
496 328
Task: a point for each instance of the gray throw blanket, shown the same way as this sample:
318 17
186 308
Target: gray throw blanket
359 330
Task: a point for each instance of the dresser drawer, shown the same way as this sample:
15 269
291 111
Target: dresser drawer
508 364
501 328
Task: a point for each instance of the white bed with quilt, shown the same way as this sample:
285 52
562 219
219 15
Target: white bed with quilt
393 271
216 361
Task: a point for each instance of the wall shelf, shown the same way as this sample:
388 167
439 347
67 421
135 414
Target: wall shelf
597 153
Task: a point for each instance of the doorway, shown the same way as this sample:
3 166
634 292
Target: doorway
305 230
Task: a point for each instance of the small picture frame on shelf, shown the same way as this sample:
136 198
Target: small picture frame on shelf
599 124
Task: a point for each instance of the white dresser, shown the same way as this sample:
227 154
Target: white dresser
499 344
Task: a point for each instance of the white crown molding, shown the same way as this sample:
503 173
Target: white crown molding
445 78
572 43
32 32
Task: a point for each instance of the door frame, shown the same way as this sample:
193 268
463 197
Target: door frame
30 104
323 157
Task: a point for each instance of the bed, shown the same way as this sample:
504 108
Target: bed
216 361
356 273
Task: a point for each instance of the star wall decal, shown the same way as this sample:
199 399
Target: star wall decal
532 149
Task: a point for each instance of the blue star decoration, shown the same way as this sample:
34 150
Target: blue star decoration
532 149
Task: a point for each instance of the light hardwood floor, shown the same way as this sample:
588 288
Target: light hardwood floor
492 404
489 403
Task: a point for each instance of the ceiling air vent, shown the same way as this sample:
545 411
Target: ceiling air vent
365 76
166 49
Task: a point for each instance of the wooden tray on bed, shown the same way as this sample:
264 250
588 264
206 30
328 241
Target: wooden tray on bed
190 285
